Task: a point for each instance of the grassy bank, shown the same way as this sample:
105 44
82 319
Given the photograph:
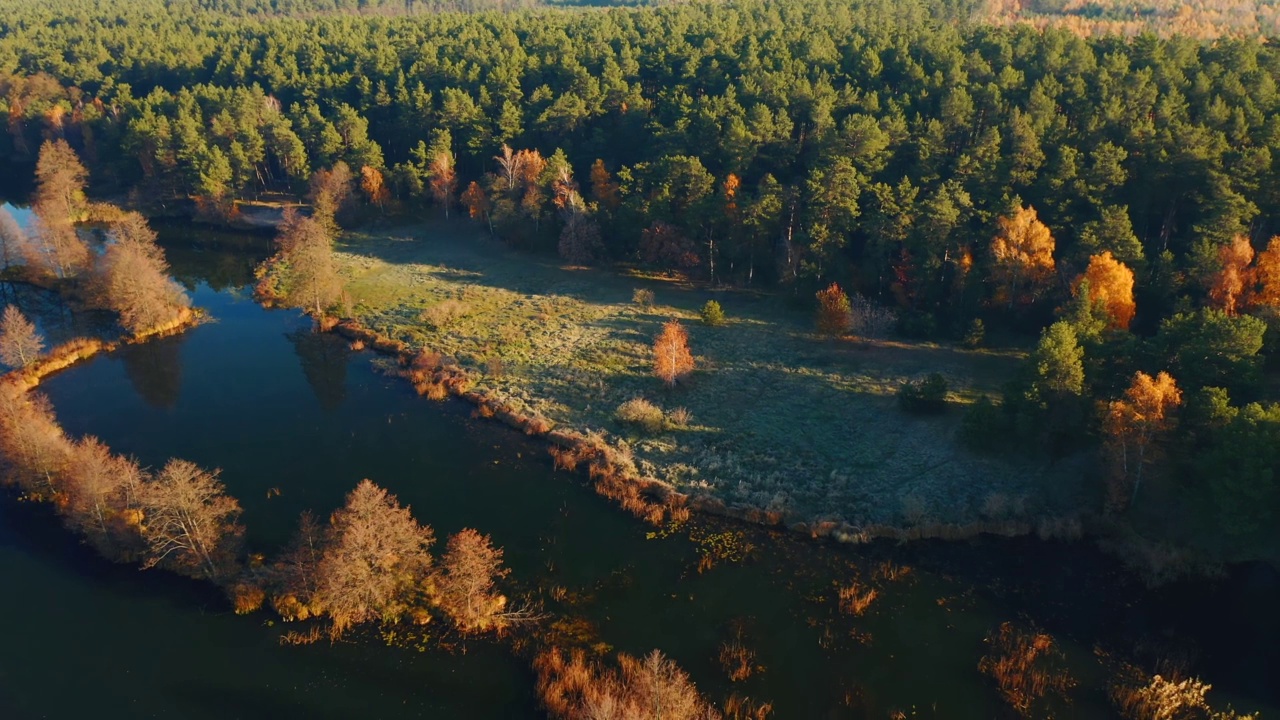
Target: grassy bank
781 420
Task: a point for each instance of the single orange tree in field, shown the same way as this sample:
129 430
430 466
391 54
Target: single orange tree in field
1133 426
834 311
672 360
1108 284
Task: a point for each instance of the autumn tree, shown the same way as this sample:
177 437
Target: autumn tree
1133 427
1227 284
580 237
672 360
56 249
99 489
1108 284
20 342
190 524
375 560
478 205
834 310
1264 288
295 575
303 272
60 183
33 448
133 278
374 188
1022 254
443 180
330 193
664 244
603 187
470 568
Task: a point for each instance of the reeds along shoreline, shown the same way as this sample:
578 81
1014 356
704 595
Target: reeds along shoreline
75 350
614 474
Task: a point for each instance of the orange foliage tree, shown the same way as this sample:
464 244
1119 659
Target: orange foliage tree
1133 426
444 180
603 187
471 566
375 559
834 311
1228 284
375 190
1109 284
672 360
1022 251
189 521
477 203
133 278
1264 288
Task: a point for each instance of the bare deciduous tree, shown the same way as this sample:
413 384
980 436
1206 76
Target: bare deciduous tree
330 192
471 566
133 280
444 180
303 273
60 182
869 319
375 559
32 444
190 523
296 574
20 343
56 247
98 488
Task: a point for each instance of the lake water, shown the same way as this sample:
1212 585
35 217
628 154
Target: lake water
279 408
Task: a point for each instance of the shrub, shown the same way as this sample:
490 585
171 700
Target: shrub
976 334
443 314
641 413
642 297
680 417
712 314
983 426
924 396
833 311
870 320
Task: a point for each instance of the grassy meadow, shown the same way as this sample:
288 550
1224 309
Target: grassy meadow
774 417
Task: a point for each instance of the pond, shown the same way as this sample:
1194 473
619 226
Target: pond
295 419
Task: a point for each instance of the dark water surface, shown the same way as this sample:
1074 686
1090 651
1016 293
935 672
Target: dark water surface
295 420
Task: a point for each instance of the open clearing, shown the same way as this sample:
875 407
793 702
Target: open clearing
781 419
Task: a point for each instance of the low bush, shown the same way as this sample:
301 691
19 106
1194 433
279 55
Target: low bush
642 414
924 396
642 297
712 313
443 314
680 417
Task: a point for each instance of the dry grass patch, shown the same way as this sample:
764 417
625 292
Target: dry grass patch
789 425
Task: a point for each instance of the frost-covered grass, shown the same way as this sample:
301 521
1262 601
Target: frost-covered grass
781 419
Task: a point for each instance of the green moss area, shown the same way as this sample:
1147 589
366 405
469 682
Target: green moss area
781 419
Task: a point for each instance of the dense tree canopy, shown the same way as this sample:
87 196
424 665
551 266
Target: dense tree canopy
968 174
